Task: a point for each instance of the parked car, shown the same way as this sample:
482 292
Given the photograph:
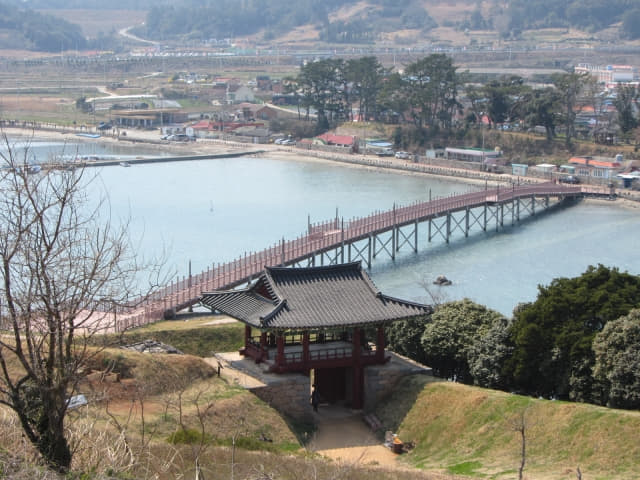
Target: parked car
403 155
385 152
569 179
180 137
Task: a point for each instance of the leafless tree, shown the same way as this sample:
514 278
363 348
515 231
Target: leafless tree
436 293
62 261
521 424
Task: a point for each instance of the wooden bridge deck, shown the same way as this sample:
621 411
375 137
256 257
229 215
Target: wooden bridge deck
328 236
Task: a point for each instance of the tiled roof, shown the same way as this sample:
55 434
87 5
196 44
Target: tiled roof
314 297
332 139
589 161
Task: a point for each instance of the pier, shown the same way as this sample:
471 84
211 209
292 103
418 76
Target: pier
98 162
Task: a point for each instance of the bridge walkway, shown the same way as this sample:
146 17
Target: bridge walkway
336 236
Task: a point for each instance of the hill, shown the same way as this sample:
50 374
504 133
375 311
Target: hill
277 23
373 21
23 28
472 431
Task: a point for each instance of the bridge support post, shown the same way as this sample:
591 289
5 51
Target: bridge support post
448 226
533 205
466 222
429 231
502 214
518 209
375 238
393 243
369 254
415 237
342 242
497 218
484 225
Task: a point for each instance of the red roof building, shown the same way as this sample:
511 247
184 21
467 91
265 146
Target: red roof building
337 140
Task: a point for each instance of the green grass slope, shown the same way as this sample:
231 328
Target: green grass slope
194 337
472 431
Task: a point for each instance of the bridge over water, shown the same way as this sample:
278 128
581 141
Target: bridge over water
365 238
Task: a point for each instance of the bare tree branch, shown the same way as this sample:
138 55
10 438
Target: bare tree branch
63 267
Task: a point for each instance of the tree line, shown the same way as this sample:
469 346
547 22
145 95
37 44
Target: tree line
434 97
579 340
228 18
510 19
36 31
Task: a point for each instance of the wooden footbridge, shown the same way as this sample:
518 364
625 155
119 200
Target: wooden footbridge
338 241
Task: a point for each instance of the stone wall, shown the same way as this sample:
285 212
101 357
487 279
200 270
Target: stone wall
290 395
380 380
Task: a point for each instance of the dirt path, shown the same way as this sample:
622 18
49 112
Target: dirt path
343 436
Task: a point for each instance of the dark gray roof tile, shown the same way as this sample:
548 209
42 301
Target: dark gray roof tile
315 297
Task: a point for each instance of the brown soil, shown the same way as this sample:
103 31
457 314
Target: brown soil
343 436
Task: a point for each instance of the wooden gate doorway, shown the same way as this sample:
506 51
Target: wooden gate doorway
331 384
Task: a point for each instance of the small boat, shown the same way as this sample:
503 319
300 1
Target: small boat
88 135
125 164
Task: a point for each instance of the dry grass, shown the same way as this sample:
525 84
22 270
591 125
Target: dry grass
348 12
93 22
469 430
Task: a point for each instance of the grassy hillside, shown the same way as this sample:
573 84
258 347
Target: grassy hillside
472 431
163 413
194 337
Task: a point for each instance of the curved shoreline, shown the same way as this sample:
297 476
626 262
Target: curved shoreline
271 151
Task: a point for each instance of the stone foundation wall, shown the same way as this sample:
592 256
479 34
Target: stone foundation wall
380 380
290 396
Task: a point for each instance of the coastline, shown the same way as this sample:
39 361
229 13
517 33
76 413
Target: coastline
272 151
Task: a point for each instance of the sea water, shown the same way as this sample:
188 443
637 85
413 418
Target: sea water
212 211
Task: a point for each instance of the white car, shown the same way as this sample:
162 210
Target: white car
403 155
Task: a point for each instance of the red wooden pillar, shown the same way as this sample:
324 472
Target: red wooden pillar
356 343
280 354
380 344
357 401
247 339
305 348
264 349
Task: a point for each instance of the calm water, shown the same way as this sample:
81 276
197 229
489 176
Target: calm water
213 211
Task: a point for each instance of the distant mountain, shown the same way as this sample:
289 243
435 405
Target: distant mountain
86 4
25 29
358 21
589 15
333 21
336 22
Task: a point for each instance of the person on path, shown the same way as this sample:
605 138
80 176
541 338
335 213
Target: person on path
315 399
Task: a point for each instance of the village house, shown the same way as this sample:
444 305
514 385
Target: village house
252 112
331 139
148 118
595 167
239 94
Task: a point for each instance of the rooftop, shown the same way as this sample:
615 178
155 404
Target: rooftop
315 297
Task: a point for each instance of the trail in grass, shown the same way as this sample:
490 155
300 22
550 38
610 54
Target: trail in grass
343 435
